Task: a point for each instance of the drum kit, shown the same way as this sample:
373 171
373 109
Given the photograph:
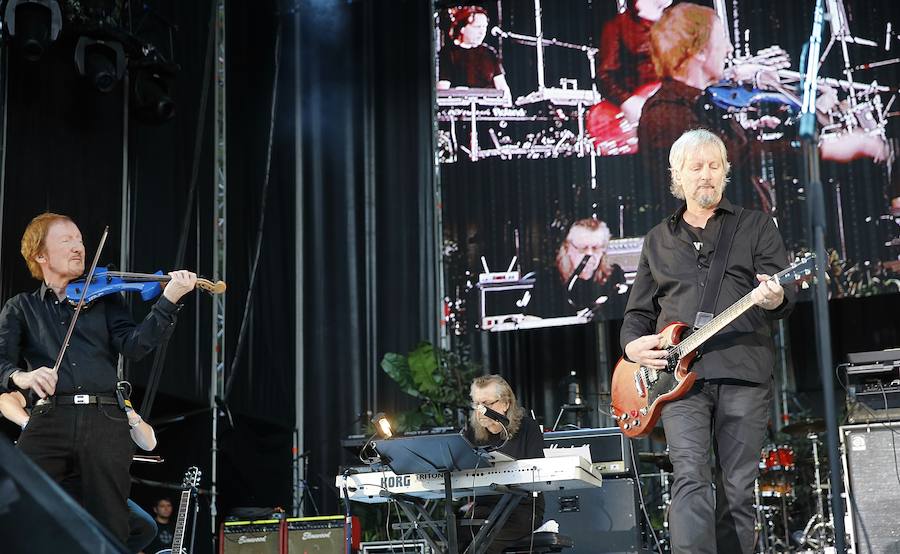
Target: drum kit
792 492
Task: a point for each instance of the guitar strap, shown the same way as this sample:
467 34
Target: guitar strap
717 269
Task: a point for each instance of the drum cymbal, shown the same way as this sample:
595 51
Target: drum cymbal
659 459
805 427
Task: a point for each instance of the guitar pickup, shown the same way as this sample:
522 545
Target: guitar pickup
639 383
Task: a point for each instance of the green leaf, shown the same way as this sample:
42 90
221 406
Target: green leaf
423 364
397 367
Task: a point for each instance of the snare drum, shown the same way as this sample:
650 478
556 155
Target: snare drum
777 458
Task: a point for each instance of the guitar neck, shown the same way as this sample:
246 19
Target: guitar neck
178 539
716 324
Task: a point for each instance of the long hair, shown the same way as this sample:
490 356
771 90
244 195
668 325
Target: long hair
462 16
503 391
681 33
33 240
687 142
564 265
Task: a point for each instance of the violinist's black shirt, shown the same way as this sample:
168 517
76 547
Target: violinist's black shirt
33 326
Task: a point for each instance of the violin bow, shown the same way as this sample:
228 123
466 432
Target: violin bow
90 277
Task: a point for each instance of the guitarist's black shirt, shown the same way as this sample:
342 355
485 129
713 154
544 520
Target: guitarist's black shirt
670 279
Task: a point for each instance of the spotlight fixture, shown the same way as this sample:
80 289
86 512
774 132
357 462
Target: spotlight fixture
32 25
382 426
102 62
152 89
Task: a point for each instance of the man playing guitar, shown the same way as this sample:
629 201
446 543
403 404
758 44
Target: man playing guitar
733 390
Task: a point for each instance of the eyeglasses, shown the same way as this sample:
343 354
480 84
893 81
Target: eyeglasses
583 248
486 404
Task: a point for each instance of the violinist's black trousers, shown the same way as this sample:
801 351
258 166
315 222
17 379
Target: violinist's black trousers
731 419
87 449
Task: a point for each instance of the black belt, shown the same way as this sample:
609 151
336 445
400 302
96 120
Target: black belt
77 399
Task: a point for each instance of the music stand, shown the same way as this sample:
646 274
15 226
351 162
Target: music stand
442 454
430 454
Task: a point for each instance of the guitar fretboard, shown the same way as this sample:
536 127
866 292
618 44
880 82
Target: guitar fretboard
178 539
716 324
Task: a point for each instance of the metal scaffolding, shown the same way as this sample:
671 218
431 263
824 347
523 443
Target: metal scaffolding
217 365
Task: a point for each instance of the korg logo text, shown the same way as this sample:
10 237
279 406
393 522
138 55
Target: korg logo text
395 481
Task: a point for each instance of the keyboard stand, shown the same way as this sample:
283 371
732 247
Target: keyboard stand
501 512
429 529
422 522
443 454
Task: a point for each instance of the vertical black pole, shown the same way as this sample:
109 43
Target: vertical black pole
816 226
816 217
452 544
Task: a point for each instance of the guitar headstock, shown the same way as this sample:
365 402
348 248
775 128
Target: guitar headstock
191 477
803 269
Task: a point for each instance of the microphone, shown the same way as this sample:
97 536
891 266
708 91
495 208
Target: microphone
584 261
498 32
496 416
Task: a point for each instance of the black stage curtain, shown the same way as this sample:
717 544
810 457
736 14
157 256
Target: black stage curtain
368 255
65 154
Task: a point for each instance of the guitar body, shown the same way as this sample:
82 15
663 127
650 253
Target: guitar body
639 393
611 133
169 551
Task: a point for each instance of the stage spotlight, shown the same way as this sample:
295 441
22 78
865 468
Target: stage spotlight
102 62
152 89
382 426
32 25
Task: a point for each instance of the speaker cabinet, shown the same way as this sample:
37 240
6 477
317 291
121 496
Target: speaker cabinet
324 535
871 455
605 520
251 537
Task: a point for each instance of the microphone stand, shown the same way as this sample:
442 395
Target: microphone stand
816 226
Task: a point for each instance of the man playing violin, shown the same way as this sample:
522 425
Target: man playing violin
78 433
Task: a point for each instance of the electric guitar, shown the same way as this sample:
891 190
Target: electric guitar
639 393
611 133
190 482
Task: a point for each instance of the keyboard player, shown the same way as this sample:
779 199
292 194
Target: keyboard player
465 61
525 440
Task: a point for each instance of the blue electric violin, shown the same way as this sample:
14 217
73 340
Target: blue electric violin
148 285
734 98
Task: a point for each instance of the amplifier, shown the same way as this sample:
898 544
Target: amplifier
324 534
296 535
869 456
610 448
395 547
251 537
605 520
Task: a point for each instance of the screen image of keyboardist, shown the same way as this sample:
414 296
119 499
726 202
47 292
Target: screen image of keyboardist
525 440
465 60
582 281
